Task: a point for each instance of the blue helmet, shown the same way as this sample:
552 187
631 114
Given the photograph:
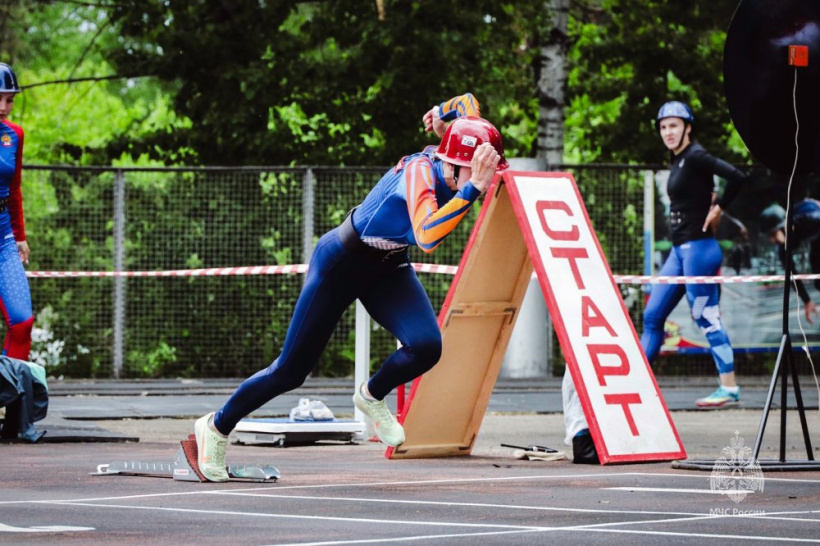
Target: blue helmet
8 81
675 109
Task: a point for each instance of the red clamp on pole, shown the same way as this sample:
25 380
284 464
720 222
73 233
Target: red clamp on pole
798 55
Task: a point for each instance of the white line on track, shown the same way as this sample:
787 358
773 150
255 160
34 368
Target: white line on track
687 516
279 487
780 518
296 516
467 504
408 539
703 475
703 535
597 527
665 490
42 529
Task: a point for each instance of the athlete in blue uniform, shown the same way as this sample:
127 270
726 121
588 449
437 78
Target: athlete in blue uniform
695 250
418 202
805 229
15 298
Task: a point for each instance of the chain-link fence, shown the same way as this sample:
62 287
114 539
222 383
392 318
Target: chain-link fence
97 219
106 219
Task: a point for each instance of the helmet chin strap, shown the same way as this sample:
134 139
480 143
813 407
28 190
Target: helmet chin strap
680 140
456 172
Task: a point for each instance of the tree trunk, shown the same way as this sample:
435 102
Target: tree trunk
552 84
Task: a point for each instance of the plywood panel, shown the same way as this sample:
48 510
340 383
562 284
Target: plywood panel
538 221
446 405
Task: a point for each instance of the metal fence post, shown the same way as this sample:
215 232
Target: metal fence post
119 265
648 222
308 212
362 366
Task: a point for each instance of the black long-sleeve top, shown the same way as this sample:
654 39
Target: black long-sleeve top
690 189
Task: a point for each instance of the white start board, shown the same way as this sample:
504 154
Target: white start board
628 417
537 221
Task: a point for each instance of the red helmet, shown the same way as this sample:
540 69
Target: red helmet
466 134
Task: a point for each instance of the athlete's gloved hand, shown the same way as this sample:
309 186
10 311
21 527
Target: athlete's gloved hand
433 122
483 166
23 251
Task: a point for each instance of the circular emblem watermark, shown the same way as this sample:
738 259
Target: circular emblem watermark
737 473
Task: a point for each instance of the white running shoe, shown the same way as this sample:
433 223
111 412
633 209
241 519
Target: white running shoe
388 429
210 446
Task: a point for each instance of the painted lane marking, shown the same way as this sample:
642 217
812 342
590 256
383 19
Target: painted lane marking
43 529
665 490
298 516
703 535
357 485
408 539
468 504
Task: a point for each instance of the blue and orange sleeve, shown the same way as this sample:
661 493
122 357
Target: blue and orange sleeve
18 224
432 224
459 107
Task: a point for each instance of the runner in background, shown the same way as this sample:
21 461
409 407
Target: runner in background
695 250
418 202
15 297
805 228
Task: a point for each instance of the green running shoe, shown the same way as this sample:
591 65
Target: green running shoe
210 446
388 429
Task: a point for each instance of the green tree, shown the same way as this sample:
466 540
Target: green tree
325 83
75 108
631 56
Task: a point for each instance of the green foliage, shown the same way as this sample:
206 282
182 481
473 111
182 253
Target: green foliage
152 363
85 122
326 83
630 57
278 83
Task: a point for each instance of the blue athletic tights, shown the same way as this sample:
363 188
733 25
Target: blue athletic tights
701 257
392 294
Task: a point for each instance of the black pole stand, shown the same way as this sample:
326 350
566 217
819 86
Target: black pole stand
783 366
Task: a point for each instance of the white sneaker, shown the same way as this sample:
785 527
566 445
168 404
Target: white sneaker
210 446
388 429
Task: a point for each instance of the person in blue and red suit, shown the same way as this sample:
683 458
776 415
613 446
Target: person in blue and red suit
694 214
417 202
15 298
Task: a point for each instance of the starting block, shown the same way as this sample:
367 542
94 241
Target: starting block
184 467
281 431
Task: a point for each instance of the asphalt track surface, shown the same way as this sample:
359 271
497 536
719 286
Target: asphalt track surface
351 494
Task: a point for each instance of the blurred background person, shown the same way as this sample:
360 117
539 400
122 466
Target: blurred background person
695 250
15 297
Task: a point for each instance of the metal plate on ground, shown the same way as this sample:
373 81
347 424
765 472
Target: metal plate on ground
282 431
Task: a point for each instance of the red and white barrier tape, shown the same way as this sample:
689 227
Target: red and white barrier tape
647 279
421 268
210 272
216 271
